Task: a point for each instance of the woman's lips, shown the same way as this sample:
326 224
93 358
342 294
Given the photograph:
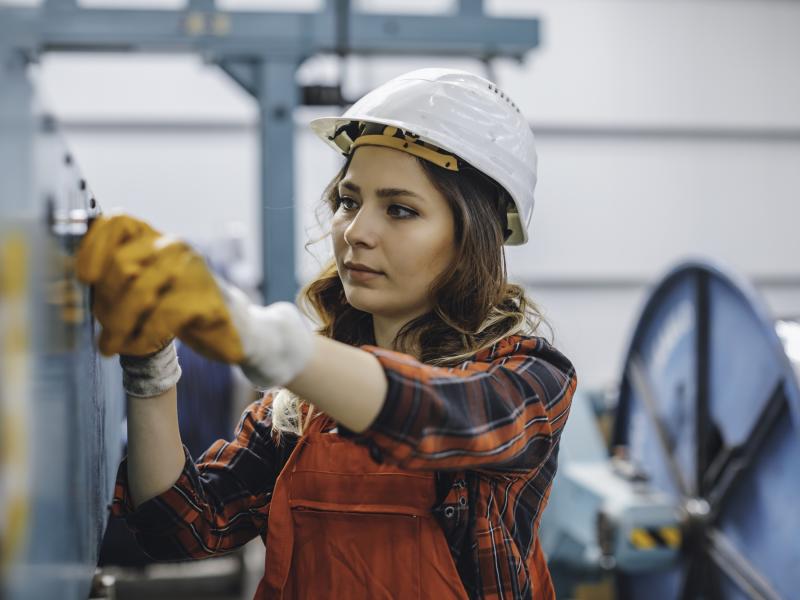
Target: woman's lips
357 274
361 275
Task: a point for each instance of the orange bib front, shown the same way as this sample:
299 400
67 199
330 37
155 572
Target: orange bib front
343 526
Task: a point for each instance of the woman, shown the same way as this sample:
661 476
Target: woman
407 449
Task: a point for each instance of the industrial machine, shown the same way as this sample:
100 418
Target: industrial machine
61 403
696 500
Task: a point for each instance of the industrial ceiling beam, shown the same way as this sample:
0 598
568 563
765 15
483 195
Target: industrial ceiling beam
224 34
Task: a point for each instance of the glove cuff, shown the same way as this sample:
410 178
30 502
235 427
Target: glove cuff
151 375
278 344
276 339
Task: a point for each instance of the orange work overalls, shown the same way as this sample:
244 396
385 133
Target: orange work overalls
343 526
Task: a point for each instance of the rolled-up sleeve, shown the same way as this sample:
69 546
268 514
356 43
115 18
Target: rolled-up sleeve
218 503
504 410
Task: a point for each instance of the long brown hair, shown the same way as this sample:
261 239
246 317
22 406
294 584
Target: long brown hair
474 304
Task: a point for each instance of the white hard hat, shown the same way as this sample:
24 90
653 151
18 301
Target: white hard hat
454 111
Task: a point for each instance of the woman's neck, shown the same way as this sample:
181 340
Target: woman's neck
386 330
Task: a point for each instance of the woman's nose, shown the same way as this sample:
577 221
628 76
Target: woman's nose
362 230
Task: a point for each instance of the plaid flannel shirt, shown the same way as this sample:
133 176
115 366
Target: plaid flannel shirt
489 428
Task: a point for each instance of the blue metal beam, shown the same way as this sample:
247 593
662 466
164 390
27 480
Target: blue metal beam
278 96
244 72
220 35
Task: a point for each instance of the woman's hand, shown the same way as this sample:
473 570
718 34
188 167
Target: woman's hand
150 288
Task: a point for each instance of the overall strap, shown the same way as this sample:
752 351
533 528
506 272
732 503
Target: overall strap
456 528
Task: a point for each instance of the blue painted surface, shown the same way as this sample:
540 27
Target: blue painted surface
74 434
65 402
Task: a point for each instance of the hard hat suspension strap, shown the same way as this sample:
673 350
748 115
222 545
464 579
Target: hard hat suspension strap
351 135
392 137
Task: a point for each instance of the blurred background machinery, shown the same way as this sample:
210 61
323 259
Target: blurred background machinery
695 501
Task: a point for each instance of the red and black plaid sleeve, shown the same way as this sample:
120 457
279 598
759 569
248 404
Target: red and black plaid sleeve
218 503
503 410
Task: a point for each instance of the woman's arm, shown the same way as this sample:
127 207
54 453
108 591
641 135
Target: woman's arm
344 382
503 412
214 505
155 450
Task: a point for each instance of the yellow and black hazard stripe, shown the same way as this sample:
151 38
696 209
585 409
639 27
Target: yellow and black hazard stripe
655 538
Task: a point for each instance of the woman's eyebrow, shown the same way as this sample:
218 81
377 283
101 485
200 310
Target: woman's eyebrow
381 192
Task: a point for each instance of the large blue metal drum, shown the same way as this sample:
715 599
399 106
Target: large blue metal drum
710 409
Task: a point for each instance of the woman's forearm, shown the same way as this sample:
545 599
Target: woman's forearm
155 450
344 382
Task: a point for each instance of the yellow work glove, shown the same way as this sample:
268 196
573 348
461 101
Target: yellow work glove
149 288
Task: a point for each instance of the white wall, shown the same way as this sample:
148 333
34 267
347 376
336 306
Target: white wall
665 129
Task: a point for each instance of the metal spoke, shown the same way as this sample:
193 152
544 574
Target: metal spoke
638 377
703 423
729 466
689 589
701 579
738 569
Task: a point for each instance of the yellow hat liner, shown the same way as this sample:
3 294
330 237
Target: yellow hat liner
392 137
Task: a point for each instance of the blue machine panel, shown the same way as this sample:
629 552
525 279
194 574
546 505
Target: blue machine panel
61 405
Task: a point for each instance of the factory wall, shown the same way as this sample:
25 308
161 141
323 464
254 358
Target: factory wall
665 129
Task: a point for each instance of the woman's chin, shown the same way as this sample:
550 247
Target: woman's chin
363 300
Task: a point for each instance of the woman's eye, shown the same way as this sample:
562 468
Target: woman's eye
347 203
401 212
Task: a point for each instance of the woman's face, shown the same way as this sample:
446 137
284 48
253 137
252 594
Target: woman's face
392 234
